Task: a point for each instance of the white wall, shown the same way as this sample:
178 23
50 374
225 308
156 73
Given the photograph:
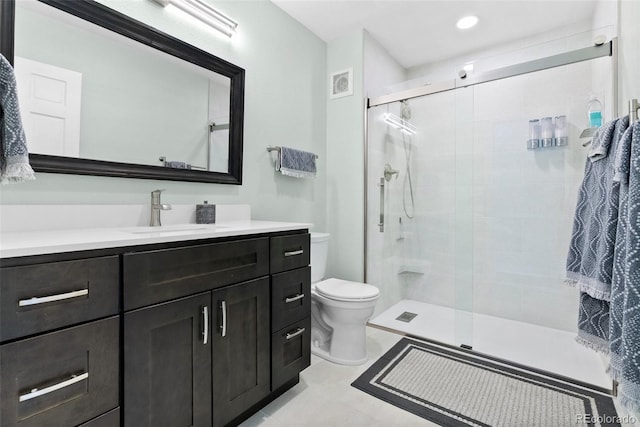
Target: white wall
380 68
285 104
629 52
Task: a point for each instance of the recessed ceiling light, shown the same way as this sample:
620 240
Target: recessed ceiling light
467 22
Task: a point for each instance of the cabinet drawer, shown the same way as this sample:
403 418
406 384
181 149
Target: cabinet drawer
110 419
290 352
290 297
43 297
155 276
63 378
289 252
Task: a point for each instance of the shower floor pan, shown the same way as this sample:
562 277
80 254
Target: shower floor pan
549 349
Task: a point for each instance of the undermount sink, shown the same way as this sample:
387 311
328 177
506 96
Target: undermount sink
180 228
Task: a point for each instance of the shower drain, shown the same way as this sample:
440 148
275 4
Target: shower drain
406 317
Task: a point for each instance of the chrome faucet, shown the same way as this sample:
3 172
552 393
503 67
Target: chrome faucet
156 207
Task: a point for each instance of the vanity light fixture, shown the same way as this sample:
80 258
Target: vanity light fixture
467 22
205 13
398 123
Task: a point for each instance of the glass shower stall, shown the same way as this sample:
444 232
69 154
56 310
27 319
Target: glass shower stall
467 225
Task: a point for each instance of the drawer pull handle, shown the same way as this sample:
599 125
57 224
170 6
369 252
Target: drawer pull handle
294 334
223 307
294 253
205 320
40 392
292 299
52 298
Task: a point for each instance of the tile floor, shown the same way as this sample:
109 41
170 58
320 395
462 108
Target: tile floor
324 397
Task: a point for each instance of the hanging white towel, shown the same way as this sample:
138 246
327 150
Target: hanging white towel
14 158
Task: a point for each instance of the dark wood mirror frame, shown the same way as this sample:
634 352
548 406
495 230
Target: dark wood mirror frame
103 16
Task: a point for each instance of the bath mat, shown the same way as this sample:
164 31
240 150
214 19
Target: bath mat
453 387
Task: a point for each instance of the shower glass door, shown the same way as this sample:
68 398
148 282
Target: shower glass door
468 230
419 204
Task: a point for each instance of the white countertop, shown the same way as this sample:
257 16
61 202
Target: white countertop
24 243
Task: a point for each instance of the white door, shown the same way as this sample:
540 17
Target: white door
49 98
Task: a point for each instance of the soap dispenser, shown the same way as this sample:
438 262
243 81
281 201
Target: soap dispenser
205 213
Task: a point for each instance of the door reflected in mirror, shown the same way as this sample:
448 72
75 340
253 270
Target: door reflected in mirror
87 92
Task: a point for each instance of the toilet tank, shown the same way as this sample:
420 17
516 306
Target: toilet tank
319 251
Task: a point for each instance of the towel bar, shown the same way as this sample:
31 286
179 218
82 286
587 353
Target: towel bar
278 149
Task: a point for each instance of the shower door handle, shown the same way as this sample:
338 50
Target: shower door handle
381 223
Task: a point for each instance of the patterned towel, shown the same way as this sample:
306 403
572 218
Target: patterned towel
590 258
14 158
296 163
624 331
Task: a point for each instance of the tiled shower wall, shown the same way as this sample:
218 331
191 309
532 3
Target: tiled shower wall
492 219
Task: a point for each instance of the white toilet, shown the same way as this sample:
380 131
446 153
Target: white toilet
339 311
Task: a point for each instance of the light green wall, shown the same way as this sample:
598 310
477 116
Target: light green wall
345 163
285 104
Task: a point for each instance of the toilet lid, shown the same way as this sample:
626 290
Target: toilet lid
343 290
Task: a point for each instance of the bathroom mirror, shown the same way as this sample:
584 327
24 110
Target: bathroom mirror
108 95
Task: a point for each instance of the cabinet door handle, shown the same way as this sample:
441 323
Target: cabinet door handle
293 253
223 327
292 299
41 392
205 320
52 298
294 334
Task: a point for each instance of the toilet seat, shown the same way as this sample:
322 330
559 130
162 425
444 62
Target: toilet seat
343 290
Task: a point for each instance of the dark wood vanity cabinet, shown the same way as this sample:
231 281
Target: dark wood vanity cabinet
60 340
197 333
199 359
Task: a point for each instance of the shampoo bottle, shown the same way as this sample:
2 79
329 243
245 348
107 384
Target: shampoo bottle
594 112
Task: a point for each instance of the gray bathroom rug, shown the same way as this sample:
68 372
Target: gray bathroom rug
452 387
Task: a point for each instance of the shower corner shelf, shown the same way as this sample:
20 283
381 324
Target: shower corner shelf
412 266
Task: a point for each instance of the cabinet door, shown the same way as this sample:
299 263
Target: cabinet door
167 364
62 378
241 376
